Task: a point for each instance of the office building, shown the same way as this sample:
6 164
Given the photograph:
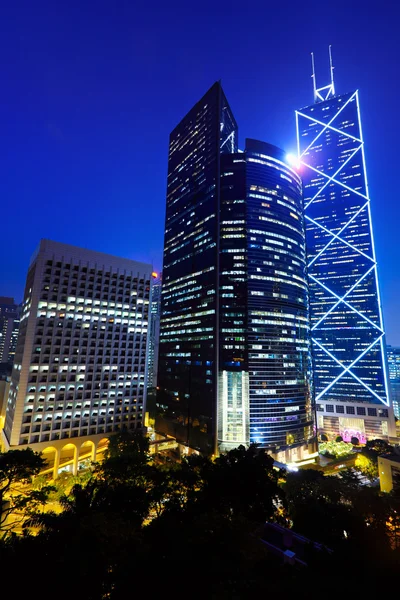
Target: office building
389 471
5 380
234 348
263 315
80 365
9 325
393 355
154 331
188 356
350 374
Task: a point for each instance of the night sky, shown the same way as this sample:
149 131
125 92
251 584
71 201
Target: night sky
91 90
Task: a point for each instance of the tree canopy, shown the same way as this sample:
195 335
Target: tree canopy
195 527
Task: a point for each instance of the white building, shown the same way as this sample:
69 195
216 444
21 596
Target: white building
80 365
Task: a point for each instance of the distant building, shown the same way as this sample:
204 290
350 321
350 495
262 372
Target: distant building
154 331
389 471
5 380
9 325
234 362
393 354
348 338
80 365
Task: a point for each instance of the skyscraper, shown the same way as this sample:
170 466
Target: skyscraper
188 357
350 374
9 325
263 317
234 346
154 331
80 365
393 354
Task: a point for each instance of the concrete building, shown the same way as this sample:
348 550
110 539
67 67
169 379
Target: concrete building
388 469
80 368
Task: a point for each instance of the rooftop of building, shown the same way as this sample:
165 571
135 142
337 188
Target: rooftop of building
393 457
6 300
67 252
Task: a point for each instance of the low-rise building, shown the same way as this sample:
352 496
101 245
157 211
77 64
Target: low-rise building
389 469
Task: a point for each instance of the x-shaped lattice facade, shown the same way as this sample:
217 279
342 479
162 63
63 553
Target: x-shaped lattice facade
346 317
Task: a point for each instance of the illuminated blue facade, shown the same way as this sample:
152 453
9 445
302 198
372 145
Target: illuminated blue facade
264 332
393 354
350 374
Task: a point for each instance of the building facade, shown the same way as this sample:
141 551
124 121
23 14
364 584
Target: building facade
80 363
265 368
5 380
393 354
154 331
188 357
9 326
350 374
234 364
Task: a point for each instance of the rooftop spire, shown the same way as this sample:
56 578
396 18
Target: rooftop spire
323 93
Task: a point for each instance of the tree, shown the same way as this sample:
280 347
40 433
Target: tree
379 446
242 482
17 500
335 449
354 440
339 439
366 465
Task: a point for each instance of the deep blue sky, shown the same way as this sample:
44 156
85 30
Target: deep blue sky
91 89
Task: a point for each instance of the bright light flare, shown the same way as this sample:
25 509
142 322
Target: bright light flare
293 160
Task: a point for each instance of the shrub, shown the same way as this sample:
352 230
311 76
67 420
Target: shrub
335 449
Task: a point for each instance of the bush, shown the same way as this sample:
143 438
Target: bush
335 449
354 441
324 438
339 439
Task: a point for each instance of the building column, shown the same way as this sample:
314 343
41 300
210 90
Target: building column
76 460
56 463
93 457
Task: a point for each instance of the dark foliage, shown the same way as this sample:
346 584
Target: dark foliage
194 528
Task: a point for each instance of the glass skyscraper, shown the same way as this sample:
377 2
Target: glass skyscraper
350 375
9 326
393 354
264 321
188 354
154 331
234 343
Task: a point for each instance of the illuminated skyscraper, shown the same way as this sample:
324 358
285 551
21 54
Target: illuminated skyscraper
80 365
393 354
350 374
154 331
264 322
234 344
188 356
9 325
